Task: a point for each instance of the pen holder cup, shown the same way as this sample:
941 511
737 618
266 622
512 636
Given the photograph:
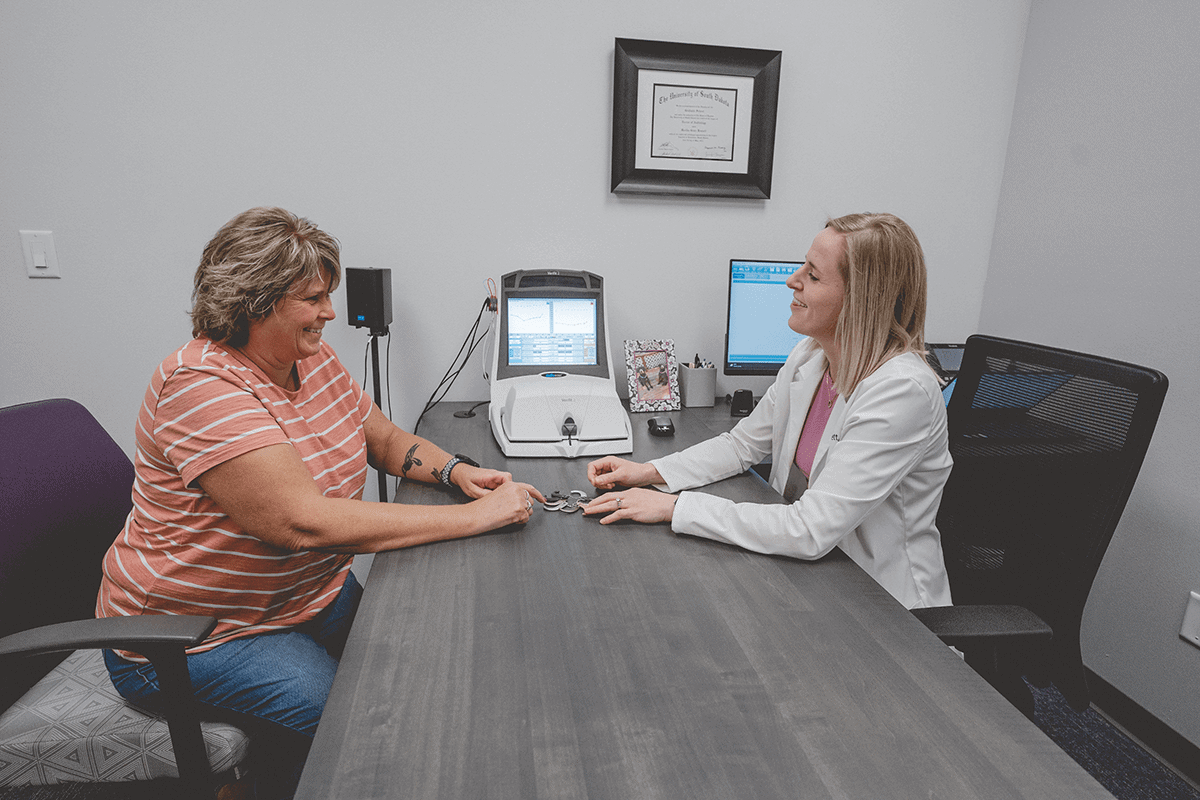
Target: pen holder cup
697 386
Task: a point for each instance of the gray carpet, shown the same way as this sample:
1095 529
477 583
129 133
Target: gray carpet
147 790
1111 757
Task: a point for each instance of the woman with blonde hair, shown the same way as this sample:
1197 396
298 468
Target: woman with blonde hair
855 425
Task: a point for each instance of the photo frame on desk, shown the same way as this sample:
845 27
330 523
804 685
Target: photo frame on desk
692 119
653 375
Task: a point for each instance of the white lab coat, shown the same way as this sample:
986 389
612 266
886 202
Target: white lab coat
876 482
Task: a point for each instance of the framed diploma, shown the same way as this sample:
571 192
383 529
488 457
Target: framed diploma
692 119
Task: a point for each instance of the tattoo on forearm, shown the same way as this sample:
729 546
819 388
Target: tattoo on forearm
410 459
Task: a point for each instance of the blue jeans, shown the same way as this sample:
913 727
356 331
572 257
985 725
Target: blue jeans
278 680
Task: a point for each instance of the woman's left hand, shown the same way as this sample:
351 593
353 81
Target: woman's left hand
475 482
639 505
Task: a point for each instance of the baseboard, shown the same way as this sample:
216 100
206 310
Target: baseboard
1152 732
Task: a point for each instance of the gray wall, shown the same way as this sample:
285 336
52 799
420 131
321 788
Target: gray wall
457 141
1096 248
454 142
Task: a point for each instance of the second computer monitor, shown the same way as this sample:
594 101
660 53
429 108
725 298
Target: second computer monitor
757 337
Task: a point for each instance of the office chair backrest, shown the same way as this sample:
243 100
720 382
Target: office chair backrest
1047 445
65 490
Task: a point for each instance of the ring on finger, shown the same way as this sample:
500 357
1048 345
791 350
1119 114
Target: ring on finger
619 499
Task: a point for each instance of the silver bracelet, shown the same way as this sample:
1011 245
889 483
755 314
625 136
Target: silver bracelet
444 476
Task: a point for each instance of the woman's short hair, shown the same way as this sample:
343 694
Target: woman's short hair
254 261
883 311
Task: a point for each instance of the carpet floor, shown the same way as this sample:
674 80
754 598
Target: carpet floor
1119 763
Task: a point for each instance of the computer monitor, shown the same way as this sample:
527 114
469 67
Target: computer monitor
552 321
757 337
946 359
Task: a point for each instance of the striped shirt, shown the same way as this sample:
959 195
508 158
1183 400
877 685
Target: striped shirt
179 553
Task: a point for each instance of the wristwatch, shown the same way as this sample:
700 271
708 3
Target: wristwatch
451 464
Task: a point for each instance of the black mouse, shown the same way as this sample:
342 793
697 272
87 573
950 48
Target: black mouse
661 426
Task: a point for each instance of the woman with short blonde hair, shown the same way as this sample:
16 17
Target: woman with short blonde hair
253 442
252 263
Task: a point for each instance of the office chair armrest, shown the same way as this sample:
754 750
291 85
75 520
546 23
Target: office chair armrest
138 633
963 626
163 639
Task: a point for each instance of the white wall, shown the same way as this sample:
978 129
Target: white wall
1096 249
454 142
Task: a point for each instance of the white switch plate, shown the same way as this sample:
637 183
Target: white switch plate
40 259
1190 632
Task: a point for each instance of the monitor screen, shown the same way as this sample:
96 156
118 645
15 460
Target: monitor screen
947 357
757 337
551 321
551 331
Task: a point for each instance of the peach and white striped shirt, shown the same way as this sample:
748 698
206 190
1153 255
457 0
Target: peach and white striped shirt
179 553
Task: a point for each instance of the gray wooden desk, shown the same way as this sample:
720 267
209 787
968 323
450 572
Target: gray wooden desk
570 660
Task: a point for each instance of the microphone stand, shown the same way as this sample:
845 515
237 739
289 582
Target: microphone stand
375 334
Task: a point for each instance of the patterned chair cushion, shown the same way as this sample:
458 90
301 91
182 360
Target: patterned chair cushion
74 727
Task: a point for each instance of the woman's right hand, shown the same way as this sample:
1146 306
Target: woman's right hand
610 472
508 504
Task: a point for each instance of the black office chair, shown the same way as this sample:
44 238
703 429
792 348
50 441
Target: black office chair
1047 444
65 490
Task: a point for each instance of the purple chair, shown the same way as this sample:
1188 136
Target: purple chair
65 491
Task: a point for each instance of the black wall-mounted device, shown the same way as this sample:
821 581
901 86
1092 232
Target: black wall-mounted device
369 297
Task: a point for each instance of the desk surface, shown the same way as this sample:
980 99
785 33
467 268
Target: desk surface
569 660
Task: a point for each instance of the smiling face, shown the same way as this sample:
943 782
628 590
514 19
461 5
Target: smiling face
818 289
292 331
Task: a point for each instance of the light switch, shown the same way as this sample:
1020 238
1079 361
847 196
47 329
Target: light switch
40 259
1190 631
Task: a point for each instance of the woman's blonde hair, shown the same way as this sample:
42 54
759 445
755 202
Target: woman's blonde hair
883 312
253 262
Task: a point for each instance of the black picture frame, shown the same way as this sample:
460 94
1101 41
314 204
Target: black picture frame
702 64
